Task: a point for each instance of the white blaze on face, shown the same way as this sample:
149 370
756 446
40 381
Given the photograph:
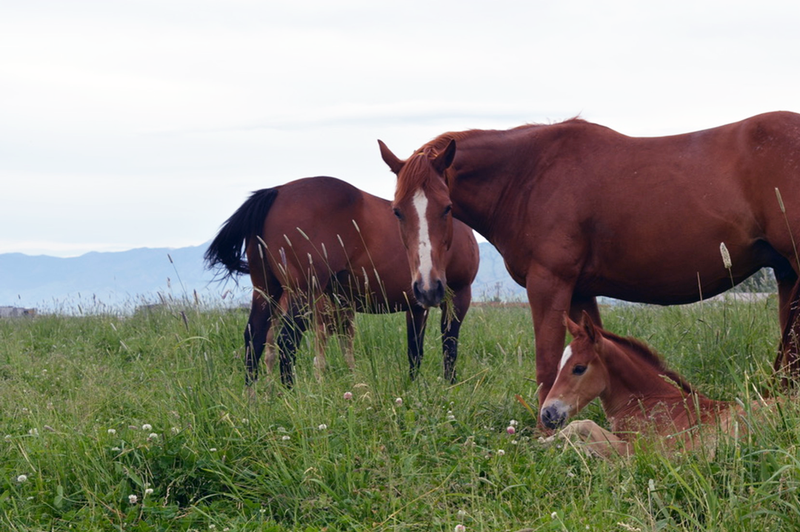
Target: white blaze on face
425 250
565 357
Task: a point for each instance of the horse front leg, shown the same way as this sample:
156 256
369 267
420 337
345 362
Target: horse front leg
549 298
416 319
452 317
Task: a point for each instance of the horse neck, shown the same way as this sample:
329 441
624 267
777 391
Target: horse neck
483 189
639 392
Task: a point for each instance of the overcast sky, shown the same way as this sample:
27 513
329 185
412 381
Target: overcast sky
142 123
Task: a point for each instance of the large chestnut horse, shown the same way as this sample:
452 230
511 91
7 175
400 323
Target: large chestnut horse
578 211
319 242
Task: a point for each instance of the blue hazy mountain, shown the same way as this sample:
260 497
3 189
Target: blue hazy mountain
119 280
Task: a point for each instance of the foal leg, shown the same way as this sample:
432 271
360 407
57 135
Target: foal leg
416 318
596 440
452 316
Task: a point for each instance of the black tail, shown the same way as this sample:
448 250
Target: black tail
227 248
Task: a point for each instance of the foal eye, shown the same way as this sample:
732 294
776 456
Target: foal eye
579 370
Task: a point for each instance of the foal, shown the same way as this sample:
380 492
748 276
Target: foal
638 394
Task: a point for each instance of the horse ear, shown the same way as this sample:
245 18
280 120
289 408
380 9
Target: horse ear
589 327
390 158
573 328
444 159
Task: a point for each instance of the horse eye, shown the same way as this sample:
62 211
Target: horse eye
579 369
398 214
447 210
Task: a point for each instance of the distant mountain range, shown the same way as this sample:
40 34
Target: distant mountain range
124 280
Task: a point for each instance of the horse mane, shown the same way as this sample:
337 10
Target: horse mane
650 356
414 174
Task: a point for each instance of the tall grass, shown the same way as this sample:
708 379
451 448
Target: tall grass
99 409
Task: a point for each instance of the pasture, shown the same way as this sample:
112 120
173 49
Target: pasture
141 423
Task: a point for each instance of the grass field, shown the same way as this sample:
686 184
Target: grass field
141 423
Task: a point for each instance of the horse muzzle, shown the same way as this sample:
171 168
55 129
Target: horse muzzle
554 415
431 296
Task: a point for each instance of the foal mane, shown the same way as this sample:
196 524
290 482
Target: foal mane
649 356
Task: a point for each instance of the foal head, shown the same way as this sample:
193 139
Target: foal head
422 205
582 374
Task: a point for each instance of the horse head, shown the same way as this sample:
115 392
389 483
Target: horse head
582 374
422 206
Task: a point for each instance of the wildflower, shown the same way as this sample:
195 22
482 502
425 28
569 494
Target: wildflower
112 431
34 432
245 421
460 528
152 436
174 430
398 401
213 449
148 491
286 438
147 427
554 515
513 422
7 437
323 426
500 452
511 430
514 442
116 449
22 478
726 257
348 396
133 499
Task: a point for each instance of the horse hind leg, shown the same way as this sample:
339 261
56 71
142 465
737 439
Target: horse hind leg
293 326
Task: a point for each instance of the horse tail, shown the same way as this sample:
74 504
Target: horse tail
228 247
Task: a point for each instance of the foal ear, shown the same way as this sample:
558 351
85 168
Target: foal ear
390 158
444 159
589 327
574 329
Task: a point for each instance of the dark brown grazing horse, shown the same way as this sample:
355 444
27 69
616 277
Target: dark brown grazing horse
318 243
640 397
578 211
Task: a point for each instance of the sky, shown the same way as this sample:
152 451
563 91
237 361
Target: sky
138 123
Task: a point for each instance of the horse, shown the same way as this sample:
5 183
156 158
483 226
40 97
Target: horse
578 210
639 395
317 244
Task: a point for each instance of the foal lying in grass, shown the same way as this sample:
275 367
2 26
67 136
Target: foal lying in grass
639 396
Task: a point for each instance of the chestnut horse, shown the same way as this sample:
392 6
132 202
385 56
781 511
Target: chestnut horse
579 211
639 395
318 243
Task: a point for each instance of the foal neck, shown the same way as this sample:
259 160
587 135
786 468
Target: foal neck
642 390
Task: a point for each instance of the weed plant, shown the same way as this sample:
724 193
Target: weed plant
141 423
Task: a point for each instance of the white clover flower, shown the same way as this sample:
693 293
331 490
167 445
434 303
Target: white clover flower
322 426
174 430
112 431
22 478
34 432
148 491
152 436
460 528
147 427
286 438
133 499
500 452
513 422
398 401
213 449
554 515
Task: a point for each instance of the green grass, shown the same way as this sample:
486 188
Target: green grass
76 392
